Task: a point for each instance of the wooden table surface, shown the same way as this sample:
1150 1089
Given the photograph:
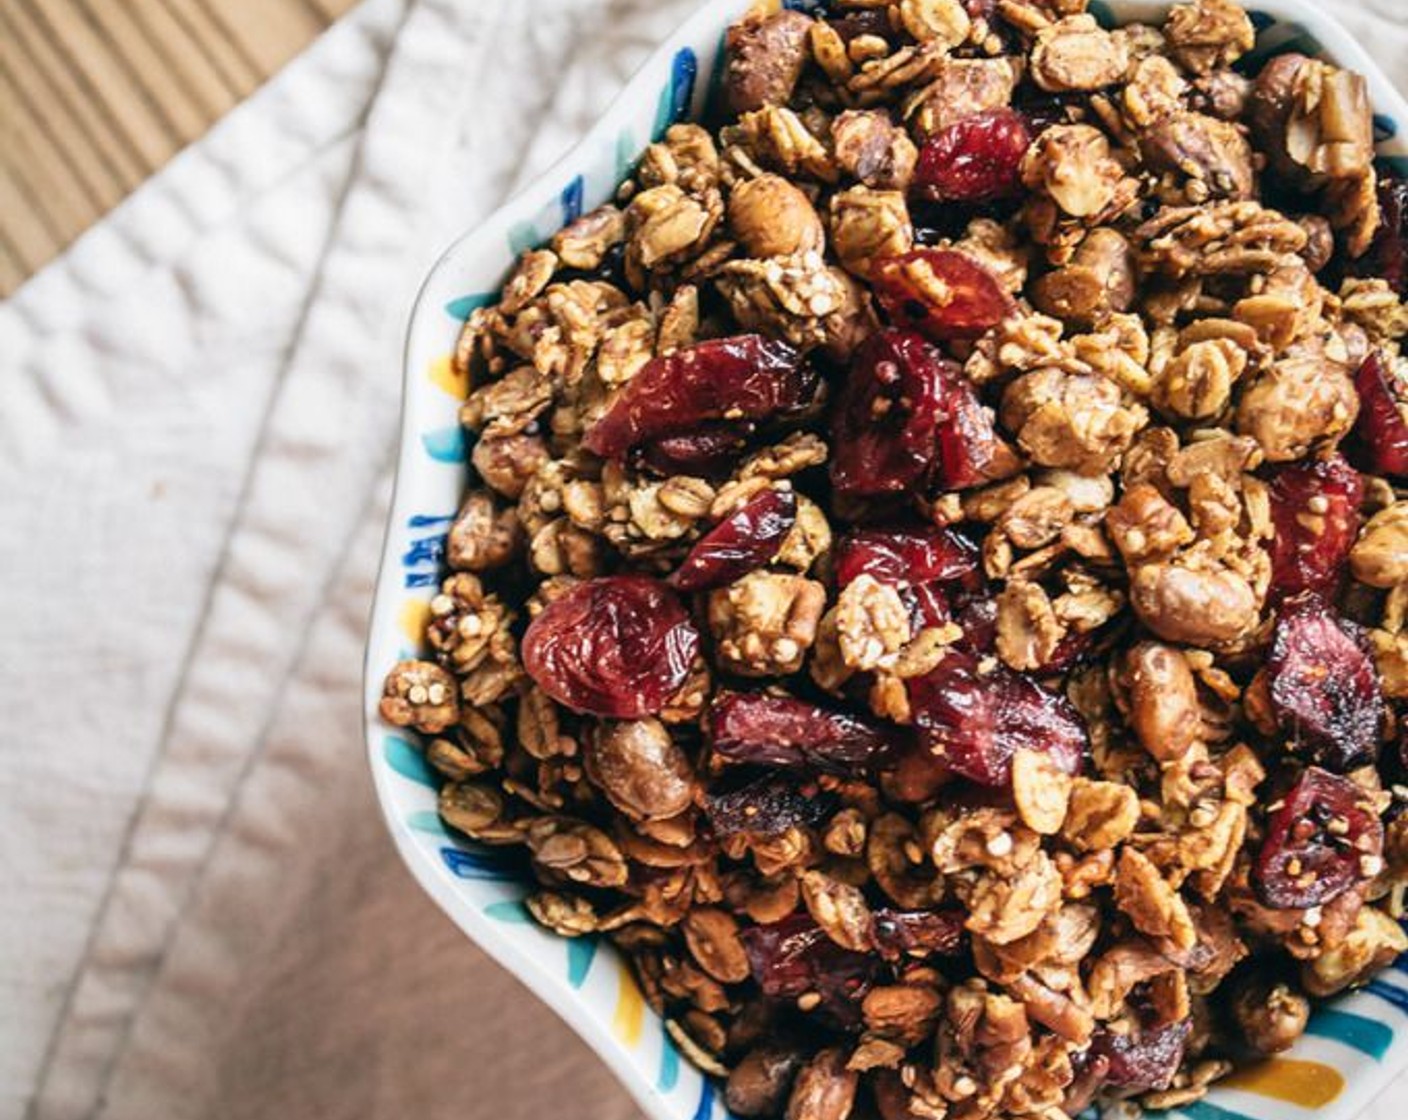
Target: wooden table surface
96 95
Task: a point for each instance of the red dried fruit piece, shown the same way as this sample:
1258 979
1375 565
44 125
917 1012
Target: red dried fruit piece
710 452
976 721
746 377
1322 838
942 293
918 933
764 806
970 450
1312 543
746 539
885 420
1381 432
977 615
783 731
1142 1059
794 957
619 646
975 159
920 555
1387 255
1323 685
914 775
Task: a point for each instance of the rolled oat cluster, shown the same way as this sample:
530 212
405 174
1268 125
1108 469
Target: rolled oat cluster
933 583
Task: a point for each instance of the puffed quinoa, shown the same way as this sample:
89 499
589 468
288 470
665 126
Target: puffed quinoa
932 587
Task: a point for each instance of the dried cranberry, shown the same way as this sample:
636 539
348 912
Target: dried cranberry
976 721
1387 255
746 377
864 21
918 933
747 539
975 159
1318 839
887 415
1323 685
764 806
919 555
1313 558
1142 1059
970 450
618 646
1381 432
784 731
977 616
965 300
795 956
712 451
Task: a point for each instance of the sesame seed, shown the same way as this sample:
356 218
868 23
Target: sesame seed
808 1001
1000 845
417 694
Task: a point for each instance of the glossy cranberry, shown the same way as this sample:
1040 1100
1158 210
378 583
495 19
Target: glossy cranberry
1315 507
1381 432
975 159
783 731
884 423
864 21
746 377
746 539
618 646
1387 255
1142 1059
966 301
712 451
918 555
794 957
1323 685
918 933
970 450
975 721
977 615
1321 838
764 806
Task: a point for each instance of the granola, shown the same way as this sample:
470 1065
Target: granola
933 586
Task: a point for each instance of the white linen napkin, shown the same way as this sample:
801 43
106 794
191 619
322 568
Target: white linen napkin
203 916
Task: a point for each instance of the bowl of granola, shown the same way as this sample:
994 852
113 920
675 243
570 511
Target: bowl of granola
896 598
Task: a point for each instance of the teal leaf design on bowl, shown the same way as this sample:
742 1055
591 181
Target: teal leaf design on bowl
523 236
428 821
669 1062
510 910
460 309
1365 1035
406 759
581 952
445 445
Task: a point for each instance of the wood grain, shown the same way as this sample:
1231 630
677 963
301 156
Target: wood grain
96 95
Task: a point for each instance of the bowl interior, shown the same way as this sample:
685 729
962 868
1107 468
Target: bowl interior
1353 1047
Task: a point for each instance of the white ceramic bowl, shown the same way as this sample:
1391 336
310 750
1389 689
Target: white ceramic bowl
1352 1050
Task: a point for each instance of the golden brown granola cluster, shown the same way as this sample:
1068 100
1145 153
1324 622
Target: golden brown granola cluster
933 585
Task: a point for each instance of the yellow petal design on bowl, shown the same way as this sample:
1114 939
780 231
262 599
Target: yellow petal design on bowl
1308 1084
443 375
629 1017
414 615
